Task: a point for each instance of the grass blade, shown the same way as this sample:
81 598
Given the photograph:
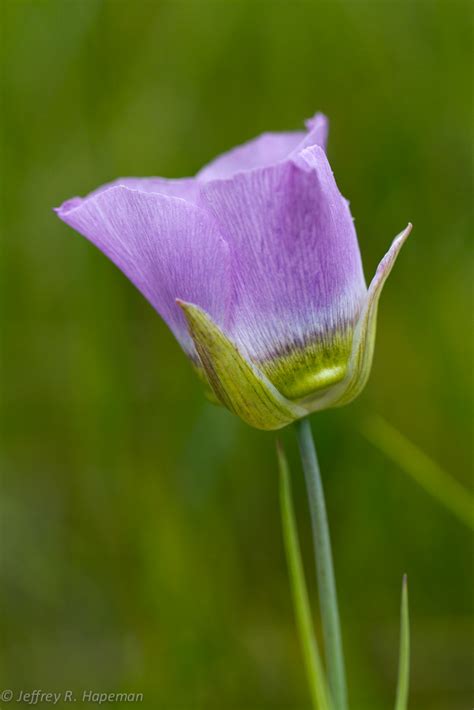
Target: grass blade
328 604
312 657
401 702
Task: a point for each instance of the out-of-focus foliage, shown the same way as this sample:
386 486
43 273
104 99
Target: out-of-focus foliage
141 545
427 473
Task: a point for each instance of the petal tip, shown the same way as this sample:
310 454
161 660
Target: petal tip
319 119
67 206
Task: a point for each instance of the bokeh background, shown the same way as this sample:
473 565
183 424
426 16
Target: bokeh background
141 547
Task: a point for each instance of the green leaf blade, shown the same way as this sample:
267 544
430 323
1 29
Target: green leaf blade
401 702
312 658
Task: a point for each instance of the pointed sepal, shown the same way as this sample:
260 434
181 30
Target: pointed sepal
363 342
236 382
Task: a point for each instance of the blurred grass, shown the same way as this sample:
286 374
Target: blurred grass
141 543
426 472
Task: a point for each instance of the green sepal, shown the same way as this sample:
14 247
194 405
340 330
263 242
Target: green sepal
236 382
363 342
208 391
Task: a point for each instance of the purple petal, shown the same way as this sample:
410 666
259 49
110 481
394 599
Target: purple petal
297 271
166 246
266 149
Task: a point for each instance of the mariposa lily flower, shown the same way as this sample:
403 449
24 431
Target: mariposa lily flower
254 265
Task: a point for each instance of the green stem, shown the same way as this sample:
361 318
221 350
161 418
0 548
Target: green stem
324 567
312 659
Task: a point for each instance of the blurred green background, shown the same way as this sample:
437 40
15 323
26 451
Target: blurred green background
141 546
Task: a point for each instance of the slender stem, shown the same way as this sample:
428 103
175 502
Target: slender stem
324 567
312 658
